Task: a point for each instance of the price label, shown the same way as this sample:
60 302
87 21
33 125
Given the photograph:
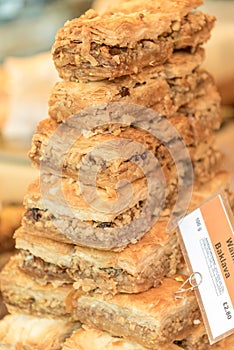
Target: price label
208 246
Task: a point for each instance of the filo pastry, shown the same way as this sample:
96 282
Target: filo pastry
94 47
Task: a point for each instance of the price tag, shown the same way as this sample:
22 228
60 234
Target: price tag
208 246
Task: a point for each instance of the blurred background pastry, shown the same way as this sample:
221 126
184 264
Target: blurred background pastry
10 219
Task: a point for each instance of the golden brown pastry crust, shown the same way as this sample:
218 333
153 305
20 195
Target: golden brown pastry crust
67 198
100 235
196 338
138 317
226 344
21 293
164 88
95 339
67 195
118 169
136 268
194 122
195 134
21 332
96 47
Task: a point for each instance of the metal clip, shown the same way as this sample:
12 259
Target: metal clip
192 280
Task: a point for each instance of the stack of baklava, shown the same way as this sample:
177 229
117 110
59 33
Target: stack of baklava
78 266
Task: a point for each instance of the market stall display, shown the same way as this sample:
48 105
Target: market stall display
76 262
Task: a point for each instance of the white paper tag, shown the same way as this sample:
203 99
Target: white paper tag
208 247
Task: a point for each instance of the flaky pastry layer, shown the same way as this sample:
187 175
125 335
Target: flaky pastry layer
34 333
136 268
95 47
164 88
22 294
139 317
